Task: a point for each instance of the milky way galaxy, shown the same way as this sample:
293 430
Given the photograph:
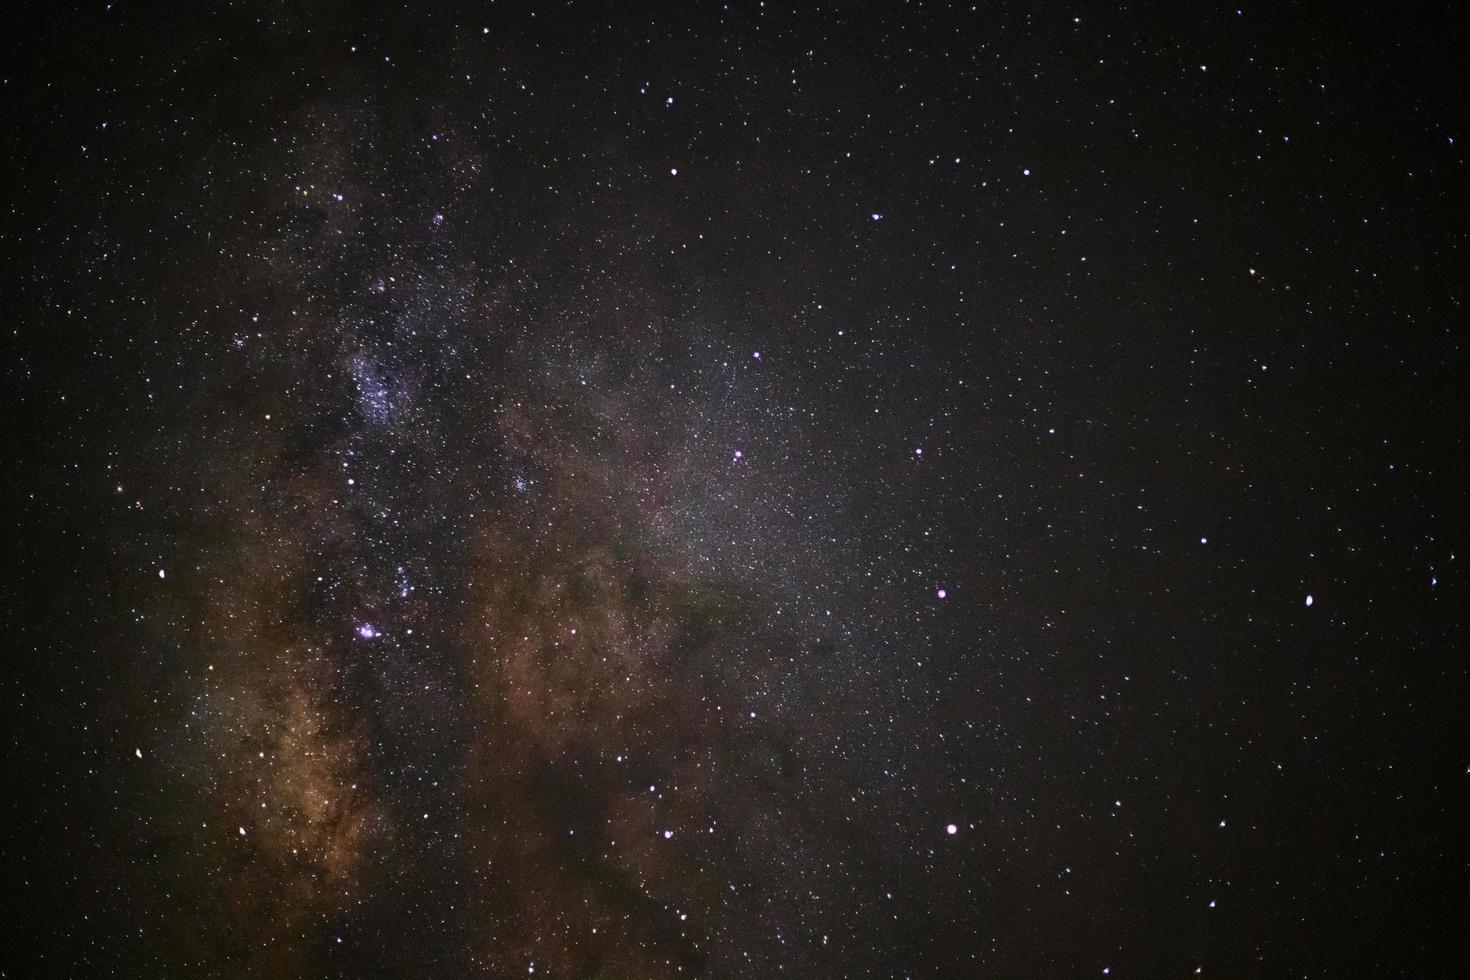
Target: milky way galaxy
732 492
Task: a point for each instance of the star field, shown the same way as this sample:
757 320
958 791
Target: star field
734 491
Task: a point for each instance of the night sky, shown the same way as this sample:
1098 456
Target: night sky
899 490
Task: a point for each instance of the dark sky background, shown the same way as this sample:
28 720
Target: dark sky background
734 491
